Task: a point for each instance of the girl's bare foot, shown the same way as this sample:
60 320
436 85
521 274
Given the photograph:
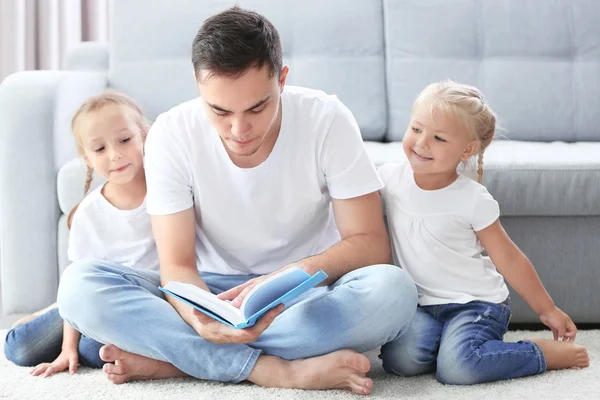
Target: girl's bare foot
30 317
343 369
132 367
562 355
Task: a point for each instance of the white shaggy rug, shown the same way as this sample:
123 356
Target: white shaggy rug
16 383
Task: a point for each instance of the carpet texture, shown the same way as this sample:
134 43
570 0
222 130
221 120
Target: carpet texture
16 383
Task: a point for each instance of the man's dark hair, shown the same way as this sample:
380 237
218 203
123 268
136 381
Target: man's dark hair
235 40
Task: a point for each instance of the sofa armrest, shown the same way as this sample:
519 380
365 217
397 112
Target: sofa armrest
87 56
29 105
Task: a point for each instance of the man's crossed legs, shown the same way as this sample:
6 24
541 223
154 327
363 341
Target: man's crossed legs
314 344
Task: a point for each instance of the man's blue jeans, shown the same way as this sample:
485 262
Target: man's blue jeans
40 341
113 304
463 344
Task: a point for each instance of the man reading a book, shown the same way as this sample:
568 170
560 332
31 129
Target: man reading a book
249 179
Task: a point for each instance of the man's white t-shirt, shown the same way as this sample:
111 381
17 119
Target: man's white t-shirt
101 231
433 237
257 220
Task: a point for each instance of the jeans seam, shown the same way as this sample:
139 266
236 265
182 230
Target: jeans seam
248 366
540 356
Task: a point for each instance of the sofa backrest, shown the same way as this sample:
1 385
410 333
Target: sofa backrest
536 61
330 45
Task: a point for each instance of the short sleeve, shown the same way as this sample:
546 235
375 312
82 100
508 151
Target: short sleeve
385 171
168 175
485 211
83 242
349 172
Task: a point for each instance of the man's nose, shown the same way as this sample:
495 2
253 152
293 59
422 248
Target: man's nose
240 128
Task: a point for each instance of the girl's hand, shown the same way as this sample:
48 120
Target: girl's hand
67 359
561 324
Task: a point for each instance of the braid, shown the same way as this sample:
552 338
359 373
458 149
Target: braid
480 167
88 184
88 180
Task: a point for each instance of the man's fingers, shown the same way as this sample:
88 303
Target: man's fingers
555 333
218 332
234 292
266 320
202 318
237 302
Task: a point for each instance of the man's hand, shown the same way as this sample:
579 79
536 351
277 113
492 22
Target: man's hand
217 332
238 294
561 324
67 359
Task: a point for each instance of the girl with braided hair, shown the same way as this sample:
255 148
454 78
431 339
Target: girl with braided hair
110 223
440 222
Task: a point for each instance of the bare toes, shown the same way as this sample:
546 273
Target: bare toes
117 379
358 362
360 384
109 353
113 369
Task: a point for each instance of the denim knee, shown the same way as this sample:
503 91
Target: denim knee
398 292
15 352
75 296
405 359
389 279
454 368
21 353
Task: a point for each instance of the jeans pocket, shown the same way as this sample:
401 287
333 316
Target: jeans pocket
499 312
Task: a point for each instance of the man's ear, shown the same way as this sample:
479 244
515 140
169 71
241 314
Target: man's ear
470 150
283 77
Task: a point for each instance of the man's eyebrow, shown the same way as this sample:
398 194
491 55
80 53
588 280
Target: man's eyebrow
258 104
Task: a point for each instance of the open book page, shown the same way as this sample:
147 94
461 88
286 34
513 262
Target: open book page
207 300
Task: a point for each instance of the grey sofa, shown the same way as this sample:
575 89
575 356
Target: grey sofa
537 61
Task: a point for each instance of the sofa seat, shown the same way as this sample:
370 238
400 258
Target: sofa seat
532 178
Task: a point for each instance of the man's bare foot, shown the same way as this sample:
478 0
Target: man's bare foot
132 367
343 369
30 317
562 355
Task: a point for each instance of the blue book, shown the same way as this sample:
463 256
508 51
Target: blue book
280 288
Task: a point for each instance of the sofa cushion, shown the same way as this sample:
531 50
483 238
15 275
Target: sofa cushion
71 182
329 45
536 61
532 178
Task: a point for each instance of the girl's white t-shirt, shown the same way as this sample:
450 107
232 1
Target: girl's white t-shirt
101 231
433 237
257 220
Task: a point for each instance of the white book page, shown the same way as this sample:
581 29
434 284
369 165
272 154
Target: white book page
207 300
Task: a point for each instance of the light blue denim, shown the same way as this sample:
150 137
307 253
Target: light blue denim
462 344
40 341
113 304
